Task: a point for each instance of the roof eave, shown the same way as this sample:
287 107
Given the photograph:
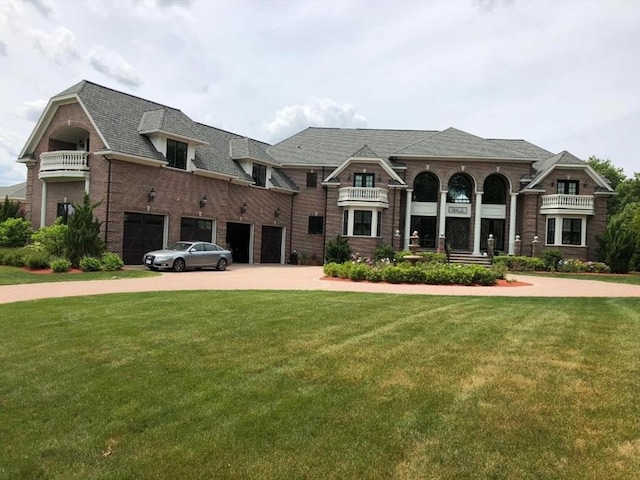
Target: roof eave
455 157
174 136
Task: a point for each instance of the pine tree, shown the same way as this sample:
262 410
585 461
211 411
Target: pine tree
9 209
83 235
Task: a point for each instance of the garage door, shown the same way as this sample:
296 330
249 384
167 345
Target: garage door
196 229
142 233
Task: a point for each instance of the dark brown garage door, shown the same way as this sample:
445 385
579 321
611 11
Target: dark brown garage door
142 233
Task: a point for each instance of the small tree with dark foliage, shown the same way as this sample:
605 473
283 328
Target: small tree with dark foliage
82 237
338 250
9 209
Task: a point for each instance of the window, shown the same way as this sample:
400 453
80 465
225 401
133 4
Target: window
568 187
316 225
65 210
362 222
379 227
259 175
495 190
551 231
571 231
363 180
312 179
459 189
177 154
426 188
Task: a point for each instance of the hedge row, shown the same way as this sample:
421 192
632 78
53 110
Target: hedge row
35 258
520 264
427 273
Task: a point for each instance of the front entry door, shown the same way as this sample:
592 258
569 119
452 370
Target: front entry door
271 251
457 232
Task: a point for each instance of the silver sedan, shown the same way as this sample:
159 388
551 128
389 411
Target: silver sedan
183 255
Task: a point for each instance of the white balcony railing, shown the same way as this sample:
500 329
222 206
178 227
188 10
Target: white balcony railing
573 203
74 160
363 194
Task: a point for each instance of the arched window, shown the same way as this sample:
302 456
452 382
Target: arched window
425 188
459 189
495 190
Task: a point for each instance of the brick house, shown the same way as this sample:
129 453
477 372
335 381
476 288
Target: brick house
160 177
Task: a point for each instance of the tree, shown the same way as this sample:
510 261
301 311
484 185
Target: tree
9 209
605 168
82 237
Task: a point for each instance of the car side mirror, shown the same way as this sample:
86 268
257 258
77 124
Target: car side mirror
192 250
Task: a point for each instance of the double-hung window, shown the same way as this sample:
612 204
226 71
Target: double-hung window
259 175
177 154
571 231
312 179
362 222
64 211
316 225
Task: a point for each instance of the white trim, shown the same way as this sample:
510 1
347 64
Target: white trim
595 176
512 223
478 159
477 225
379 161
125 157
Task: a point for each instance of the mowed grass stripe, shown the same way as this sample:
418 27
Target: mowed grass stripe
319 385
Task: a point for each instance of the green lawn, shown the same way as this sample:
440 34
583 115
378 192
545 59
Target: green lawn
287 385
15 275
631 278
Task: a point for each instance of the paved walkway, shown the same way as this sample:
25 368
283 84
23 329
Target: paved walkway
288 277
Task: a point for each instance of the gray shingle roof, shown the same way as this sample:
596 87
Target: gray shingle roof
365 152
248 148
524 147
331 146
456 143
15 192
562 158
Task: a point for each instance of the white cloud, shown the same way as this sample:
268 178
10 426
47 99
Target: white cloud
3 49
31 110
58 46
316 112
111 64
10 171
43 7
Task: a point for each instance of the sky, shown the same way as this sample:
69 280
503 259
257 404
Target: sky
564 75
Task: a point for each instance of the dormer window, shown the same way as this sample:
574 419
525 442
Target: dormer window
177 154
259 175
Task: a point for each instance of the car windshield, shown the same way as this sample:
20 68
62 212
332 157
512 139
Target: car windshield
180 246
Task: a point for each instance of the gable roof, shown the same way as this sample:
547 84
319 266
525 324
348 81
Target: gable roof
565 159
524 147
458 144
14 192
365 152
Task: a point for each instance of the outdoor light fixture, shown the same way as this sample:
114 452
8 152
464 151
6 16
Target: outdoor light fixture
151 195
243 208
277 212
552 184
203 201
349 177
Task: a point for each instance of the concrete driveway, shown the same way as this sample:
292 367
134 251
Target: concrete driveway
289 277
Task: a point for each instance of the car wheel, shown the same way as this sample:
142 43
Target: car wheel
153 269
178 265
222 264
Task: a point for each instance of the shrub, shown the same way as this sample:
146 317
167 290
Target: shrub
383 251
60 265
338 250
344 269
414 275
52 238
519 264
111 262
35 259
393 274
439 275
551 259
374 275
331 269
358 272
12 257
90 264
14 232
83 235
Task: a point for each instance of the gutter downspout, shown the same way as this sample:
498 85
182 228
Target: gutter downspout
324 227
106 221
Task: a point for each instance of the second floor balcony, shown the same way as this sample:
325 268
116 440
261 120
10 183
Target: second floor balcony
64 164
567 204
371 196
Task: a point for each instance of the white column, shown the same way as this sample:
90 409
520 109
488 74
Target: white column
407 219
86 184
350 223
443 213
43 205
512 223
477 224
